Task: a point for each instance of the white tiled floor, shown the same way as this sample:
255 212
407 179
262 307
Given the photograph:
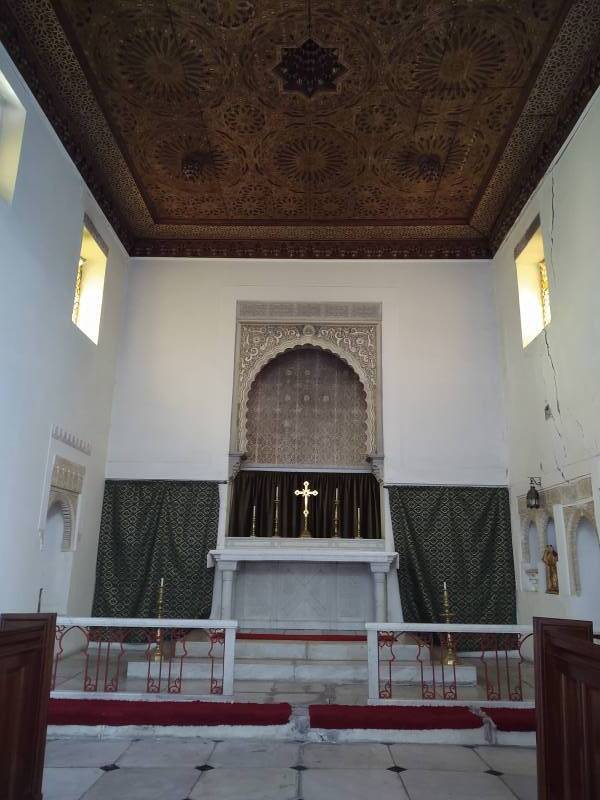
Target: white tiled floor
178 769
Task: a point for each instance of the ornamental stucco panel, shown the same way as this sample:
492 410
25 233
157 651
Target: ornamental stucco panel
355 344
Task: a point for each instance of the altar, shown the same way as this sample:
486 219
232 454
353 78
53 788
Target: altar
303 584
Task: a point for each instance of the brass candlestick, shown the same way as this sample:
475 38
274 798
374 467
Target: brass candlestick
276 515
253 530
336 515
357 534
450 659
158 653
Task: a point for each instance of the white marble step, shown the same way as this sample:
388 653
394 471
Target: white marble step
303 670
305 650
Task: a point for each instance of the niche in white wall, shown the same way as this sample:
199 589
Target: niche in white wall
531 568
57 560
12 125
586 605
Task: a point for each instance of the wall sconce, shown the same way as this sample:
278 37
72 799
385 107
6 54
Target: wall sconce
533 496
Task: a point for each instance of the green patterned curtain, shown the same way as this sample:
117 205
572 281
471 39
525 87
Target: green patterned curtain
461 535
154 529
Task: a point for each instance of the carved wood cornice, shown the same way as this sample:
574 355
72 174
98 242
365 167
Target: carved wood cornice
320 249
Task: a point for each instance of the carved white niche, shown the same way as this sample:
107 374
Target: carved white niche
66 485
66 464
576 500
356 344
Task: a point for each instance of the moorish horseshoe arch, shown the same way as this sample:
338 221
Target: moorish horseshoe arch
573 516
540 519
61 499
355 343
298 343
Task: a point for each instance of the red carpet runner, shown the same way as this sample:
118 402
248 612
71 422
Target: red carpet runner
512 719
143 712
394 717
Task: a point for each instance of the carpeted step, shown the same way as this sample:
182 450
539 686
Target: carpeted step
394 717
143 712
512 719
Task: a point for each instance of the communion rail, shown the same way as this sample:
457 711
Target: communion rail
143 656
450 663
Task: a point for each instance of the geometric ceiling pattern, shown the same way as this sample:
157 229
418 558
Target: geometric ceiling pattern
349 128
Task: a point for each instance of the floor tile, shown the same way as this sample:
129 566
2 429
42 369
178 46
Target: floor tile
62 783
351 784
167 753
246 784
437 756
523 786
244 754
84 753
331 756
445 785
512 760
144 784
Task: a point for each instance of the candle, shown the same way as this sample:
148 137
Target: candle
337 495
162 583
358 516
445 586
277 493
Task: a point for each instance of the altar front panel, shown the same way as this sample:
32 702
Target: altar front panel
311 595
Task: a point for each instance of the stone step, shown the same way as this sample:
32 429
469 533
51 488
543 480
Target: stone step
304 650
303 670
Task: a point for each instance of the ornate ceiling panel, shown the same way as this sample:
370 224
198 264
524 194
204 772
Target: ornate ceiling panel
362 128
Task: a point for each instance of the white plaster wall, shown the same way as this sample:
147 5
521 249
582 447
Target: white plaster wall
50 373
562 370
442 398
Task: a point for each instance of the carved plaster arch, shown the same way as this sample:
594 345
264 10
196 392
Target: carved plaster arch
540 518
300 342
573 516
68 507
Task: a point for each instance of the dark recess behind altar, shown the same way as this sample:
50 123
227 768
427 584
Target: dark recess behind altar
259 488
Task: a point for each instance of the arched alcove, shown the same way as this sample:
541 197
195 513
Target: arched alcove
586 604
307 406
551 534
533 541
56 559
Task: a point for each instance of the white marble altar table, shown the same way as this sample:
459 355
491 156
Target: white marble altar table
329 584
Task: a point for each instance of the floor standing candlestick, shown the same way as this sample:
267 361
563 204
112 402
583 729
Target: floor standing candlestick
158 654
450 659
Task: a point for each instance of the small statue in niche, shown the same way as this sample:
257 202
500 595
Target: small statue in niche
550 559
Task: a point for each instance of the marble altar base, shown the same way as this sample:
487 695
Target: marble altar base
301 584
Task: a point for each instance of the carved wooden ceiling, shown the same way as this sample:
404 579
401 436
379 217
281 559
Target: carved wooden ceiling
348 128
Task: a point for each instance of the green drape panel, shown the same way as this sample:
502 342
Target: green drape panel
258 488
154 529
460 535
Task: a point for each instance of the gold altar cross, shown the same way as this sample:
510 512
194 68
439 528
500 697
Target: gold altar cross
305 493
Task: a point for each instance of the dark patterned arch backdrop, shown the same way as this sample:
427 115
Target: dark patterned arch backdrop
153 529
458 534
307 406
